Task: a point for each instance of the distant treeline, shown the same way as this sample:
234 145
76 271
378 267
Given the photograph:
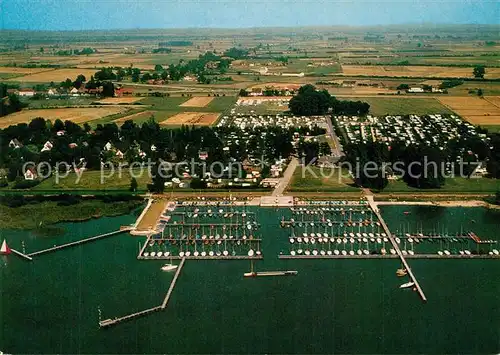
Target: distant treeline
33 65
312 102
175 44
84 51
161 50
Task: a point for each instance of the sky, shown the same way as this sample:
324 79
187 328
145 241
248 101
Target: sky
129 14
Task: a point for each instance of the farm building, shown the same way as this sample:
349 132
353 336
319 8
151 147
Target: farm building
14 143
26 92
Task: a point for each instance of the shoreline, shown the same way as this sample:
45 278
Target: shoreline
48 214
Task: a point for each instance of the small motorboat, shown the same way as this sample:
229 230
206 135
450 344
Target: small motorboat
169 267
407 285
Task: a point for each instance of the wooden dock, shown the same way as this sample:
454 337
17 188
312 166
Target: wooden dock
110 322
271 273
172 284
190 240
396 247
79 242
391 256
24 256
199 225
141 251
207 257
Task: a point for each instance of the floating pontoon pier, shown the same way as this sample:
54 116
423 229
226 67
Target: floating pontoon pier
27 257
396 247
81 241
109 322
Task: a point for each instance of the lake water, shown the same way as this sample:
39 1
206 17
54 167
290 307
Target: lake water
51 305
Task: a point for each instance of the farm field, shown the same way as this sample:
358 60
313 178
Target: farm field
476 110
119 100
198 101
414 71
332 180
76 115
403 105
91 180
63 102
136 117
25 71
56 75
172 105
192 118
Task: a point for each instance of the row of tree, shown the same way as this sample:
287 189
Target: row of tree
81 143
9 103
309 102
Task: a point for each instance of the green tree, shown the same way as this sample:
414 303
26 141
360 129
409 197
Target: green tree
108 89
133 184
479 71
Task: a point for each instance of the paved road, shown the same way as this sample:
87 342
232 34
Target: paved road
337 151
287 176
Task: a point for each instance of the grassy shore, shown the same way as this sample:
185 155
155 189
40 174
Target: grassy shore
316 179
34 215
456 185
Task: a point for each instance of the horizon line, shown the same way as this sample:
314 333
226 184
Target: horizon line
258 27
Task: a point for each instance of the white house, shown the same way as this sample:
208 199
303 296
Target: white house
14 143
108 146
119 154
30 174
419 90
47 146
300 75
52 92
26 92
74 92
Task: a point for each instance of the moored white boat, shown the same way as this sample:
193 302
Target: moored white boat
169 267
406 285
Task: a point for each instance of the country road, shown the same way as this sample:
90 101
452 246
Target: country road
337 151
287 176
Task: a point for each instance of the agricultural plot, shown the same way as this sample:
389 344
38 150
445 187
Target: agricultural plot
119 100
192 118
199 101
136 117
23 71
414 71
476 110
380 106
57 75
76 115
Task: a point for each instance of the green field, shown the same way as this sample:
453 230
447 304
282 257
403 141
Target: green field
403 106
66 102
38 215
330 181
170 106
452 185
91 180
